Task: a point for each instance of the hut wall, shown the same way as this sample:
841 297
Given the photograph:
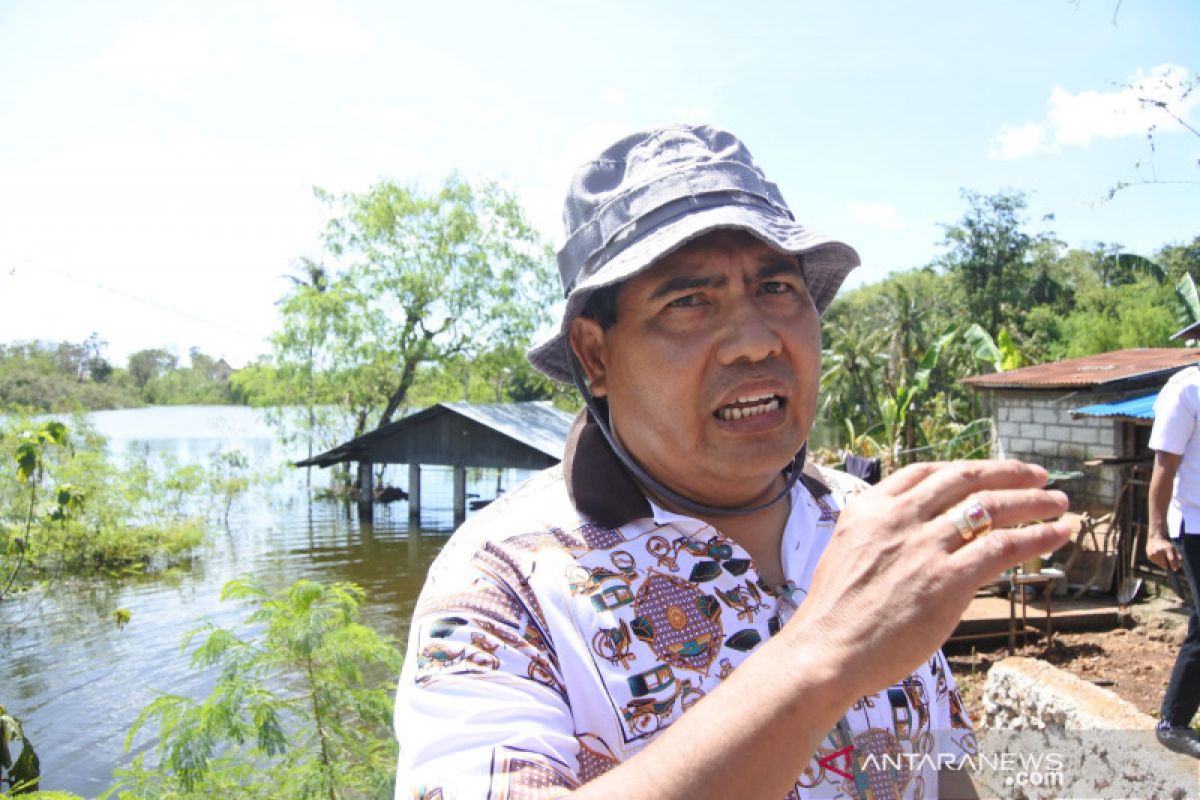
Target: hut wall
455 440
1038 427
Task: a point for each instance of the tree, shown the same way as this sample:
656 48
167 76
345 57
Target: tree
991 256
148 365
1140 314
409 279
1178 260
301 706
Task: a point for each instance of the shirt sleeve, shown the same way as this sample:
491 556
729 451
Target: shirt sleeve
481 710
1174 417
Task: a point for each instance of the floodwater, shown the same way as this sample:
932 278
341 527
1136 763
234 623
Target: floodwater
77 682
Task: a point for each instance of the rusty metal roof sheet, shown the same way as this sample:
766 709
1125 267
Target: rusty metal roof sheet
535 426
1093 371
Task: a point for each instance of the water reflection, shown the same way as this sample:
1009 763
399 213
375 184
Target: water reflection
78 682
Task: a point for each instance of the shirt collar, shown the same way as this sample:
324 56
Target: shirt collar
605 493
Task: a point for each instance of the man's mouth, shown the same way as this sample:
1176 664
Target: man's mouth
752 406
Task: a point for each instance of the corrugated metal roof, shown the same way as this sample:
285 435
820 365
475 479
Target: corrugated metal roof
1092 371
537 424
1133 408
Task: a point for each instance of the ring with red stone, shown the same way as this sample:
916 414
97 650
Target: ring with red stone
971 520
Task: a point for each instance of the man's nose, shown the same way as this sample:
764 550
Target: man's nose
747 335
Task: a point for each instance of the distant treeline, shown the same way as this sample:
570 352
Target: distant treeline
1001 296
39 376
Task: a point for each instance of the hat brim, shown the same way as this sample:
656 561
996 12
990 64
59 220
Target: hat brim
1190 332
826 264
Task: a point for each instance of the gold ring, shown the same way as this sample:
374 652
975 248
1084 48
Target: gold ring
971 520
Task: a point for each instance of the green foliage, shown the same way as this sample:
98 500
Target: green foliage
228 478
412 288
891 371
302 708
501 375
40 377
204 382
65 506
992 257
1001 353
1138 314
22 773
44 376
30 456
1189 301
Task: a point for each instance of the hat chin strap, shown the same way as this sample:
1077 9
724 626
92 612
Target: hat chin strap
604 422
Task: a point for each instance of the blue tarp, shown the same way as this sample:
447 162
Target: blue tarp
1136 408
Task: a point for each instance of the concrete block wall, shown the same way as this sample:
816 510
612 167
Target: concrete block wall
1089 741
1038 427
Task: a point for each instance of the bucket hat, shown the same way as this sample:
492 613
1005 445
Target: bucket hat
654 191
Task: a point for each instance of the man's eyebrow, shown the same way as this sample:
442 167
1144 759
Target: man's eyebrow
682 283
782 266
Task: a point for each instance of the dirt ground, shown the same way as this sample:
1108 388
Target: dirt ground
1133 662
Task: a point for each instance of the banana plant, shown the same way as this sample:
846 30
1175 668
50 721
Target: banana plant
896 410
1189 300
1000 353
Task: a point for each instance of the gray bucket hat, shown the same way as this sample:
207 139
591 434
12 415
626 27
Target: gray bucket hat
653 192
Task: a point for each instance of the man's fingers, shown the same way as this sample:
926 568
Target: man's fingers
1010 508
989 555
946 487
906 478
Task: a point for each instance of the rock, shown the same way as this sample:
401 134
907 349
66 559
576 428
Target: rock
1102 745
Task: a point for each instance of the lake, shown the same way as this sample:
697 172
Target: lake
77 682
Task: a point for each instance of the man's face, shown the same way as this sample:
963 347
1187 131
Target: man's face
712 367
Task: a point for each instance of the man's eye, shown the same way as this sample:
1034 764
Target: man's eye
687 301
776 287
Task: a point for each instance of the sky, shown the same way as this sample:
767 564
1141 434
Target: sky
158 159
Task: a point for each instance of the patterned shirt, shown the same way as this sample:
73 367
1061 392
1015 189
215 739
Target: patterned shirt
572 621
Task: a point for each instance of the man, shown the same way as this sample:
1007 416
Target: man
685 558
1175 512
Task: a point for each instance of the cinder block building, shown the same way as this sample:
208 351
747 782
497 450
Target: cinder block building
1086 415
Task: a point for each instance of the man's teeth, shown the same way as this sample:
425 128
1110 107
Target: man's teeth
749 407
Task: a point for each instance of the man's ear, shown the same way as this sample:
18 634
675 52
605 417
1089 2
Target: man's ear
587 341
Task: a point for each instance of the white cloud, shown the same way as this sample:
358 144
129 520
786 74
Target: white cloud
395 120
484 114
1075 120
317 28
163 57
173 235
612 96
880 215
1018 141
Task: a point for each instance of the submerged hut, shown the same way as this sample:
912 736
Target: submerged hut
529 435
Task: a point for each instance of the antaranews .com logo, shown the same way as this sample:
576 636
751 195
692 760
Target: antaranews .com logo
1038 770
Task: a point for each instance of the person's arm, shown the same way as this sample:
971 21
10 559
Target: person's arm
888 591
1159 549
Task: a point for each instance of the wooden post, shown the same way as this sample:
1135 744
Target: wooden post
414 492
366 491
460 494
